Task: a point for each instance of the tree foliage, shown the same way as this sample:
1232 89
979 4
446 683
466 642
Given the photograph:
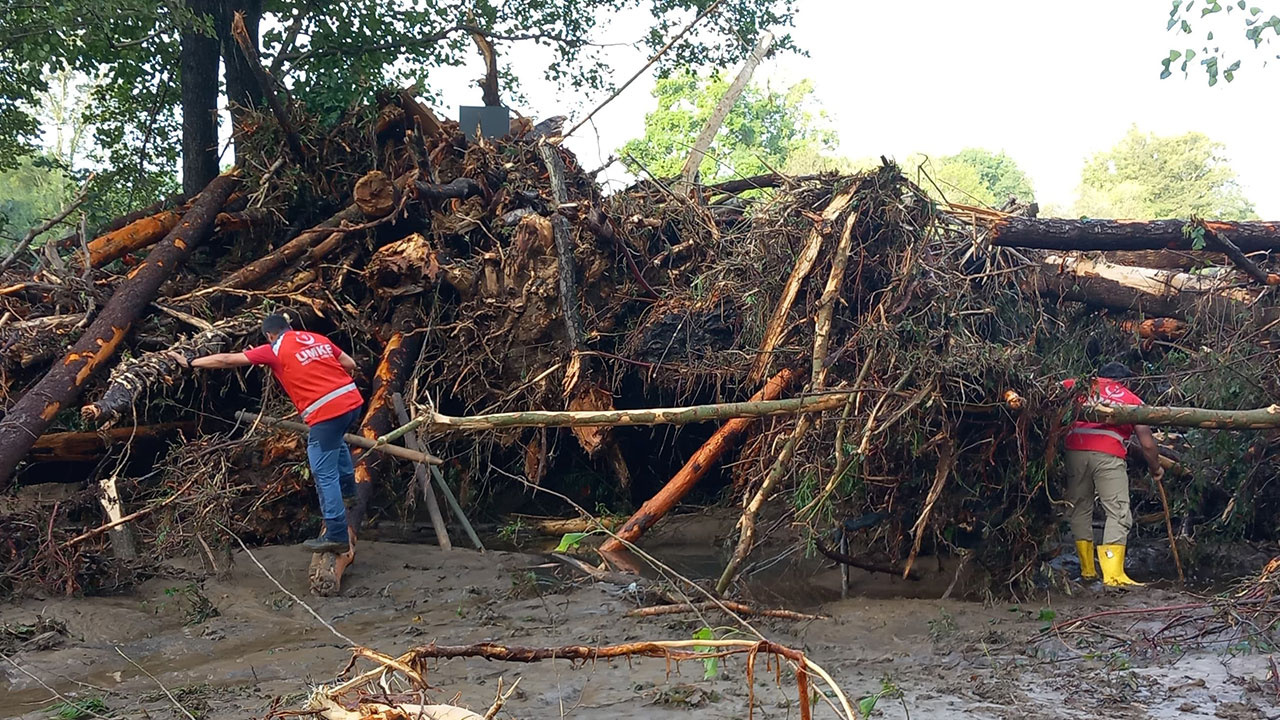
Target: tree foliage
1147 176
764 131
1222 30
331 54
973 176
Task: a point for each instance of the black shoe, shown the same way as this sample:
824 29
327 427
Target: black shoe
324 545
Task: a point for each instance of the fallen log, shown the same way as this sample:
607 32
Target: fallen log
1171 416
697 466
90 446
376 194
850 561
72 240
1061 234
297 427
132 378
28 418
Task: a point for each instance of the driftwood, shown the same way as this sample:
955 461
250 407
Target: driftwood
255 272
137 235
397 360
703 460
28 418
90 446
722 605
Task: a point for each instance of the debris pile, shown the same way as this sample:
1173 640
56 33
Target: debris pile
471 278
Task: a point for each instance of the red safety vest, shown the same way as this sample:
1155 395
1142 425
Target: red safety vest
1101 437
306 364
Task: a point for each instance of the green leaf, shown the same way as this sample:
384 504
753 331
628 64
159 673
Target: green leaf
710 666
1047 615
1241 4
1186 27
570 541
868 704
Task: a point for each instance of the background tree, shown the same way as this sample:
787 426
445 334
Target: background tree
764 131
1146 176
973 176
1227 31
160 98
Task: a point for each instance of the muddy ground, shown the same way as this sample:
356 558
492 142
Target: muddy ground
231 646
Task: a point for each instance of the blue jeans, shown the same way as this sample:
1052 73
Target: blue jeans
335 476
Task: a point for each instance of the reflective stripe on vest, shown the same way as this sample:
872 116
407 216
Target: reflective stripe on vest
322 400
1099 431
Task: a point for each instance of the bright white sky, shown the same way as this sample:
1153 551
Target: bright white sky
1047 82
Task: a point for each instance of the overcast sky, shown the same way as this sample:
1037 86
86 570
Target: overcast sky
1047 82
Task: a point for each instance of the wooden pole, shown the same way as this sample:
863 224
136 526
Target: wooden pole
297 427
423 477
703 460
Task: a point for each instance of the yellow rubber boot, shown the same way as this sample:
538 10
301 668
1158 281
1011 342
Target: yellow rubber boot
1088 570
1111 559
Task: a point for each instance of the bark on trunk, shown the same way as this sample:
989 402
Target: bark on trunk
1121 287
29 417
198 67
703 460
1059 234
1257 419
267 86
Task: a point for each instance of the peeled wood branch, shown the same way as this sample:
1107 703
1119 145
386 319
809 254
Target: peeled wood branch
135 236
397 360
1059 234
297 427
697 466
90 446
31 415
1257 419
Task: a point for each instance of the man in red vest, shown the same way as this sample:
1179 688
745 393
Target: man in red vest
1096 466
316 375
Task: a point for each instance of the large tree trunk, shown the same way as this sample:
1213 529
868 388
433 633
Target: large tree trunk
1125 288
1059 234
242 88
32 414
198 62
1255 419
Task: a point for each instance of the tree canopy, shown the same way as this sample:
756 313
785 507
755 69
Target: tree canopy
1222 30
972 176
764 131
160 61
1147 176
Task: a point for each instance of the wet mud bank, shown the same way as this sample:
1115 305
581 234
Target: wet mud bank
236 646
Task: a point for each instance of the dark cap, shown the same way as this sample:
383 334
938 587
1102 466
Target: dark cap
1115 371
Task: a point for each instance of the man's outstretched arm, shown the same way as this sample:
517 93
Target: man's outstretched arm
217 360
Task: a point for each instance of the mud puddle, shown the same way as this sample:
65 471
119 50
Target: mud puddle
229 647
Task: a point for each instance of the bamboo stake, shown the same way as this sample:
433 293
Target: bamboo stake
366 443
411 439
424 481
1256 419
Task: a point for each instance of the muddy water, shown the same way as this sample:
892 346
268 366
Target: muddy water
950 659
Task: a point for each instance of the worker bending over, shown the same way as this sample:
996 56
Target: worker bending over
317 377
1096 466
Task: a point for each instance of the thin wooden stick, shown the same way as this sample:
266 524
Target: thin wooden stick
35 232
742 608
366 443
421 474
1168 524
127 518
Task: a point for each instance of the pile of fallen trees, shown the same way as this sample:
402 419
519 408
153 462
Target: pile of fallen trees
854 348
